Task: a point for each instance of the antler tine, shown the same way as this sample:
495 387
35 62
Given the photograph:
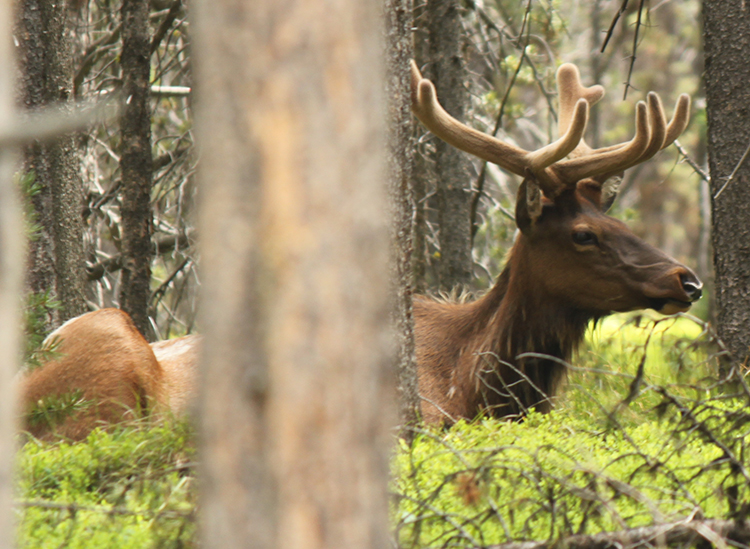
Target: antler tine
610 160
570 91
657 123
662 135
679 121
426 107
566 143
514 159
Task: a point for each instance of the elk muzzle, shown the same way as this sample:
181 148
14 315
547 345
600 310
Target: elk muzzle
691 289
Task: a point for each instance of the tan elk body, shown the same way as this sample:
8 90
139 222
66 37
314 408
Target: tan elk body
499 355
102 358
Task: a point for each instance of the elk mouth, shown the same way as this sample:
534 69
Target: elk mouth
668 306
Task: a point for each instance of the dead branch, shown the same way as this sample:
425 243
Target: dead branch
683 533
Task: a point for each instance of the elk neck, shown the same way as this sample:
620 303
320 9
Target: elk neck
516 316
523 317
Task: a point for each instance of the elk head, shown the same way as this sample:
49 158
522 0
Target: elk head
570 251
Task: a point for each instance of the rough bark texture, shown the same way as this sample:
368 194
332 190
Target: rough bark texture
398 54
442 61
136 164
11 276
298 381
727 72
56 256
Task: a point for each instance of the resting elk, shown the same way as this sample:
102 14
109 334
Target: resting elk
570 264
103 362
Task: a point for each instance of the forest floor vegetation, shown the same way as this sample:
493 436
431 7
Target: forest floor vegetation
645 432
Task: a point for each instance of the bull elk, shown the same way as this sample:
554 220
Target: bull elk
570 263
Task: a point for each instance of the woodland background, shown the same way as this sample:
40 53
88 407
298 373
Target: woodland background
276 232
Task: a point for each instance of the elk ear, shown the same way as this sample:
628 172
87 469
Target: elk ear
528 203
610 190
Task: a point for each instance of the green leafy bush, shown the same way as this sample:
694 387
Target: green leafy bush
640 436
131 487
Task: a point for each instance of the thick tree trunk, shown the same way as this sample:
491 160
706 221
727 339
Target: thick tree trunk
399 53
56 256
136 165
11 278
727 72
298 365
445 67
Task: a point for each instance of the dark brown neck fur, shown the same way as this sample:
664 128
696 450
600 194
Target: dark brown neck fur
467 354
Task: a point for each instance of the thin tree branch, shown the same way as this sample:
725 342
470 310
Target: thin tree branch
684 533
690 162
479 189
734 172
52 122
161 32
612 25
635 49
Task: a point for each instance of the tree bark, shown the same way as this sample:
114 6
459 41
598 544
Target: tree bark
56 255
136 165
298 366
399 52
727 72
444 66
11 283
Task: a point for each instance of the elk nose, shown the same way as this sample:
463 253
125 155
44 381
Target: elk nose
692 286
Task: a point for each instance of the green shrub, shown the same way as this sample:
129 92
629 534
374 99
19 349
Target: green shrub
131 487
641 435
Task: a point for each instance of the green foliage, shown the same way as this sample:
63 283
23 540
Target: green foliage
54 409
130 488
641 435
38 306
38 309
492 482
27 183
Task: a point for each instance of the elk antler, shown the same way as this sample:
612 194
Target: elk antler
546 164
608 161
514 159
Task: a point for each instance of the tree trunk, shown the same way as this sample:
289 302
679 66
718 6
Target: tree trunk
56 256
399 53
443 64
727 72
298 380
136 165
11 278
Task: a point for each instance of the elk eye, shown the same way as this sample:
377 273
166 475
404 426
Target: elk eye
584 238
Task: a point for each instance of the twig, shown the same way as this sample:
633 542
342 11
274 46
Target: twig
612 25
165 25
52 122
683 533
635 49
479 189
692 163
74 507
734 172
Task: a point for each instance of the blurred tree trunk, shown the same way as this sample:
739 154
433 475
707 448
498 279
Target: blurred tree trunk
56 257
136 165
11 283
399 52
440 56
727 72
298 363
597 70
